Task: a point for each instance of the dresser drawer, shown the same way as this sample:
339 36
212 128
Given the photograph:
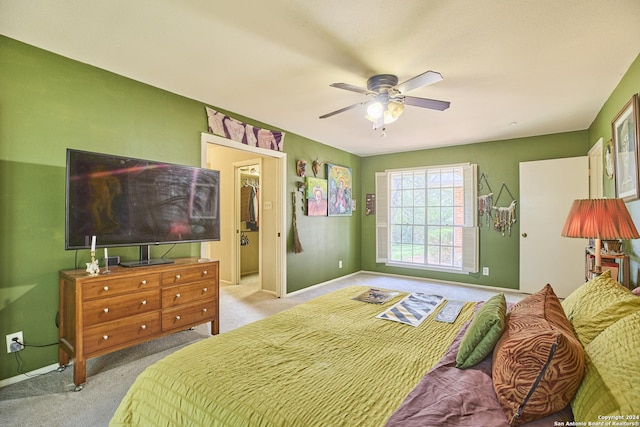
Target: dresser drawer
102 337
109 286
190 274
183 317
187 294
113 308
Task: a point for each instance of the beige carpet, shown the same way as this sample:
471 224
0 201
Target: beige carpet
50 400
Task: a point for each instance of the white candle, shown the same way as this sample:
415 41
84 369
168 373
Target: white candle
93 243
106 254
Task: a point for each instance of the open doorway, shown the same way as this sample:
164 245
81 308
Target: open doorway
247 222
228 156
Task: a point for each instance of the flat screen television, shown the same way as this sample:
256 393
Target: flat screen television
133 202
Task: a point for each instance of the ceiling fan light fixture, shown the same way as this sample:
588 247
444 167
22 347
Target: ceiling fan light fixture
375 110
393 111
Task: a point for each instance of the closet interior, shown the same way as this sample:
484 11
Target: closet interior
249 220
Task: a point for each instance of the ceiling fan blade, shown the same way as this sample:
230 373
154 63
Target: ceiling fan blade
342 110
421 80
433 104
353 88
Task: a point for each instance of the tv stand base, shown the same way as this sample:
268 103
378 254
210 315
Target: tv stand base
147 262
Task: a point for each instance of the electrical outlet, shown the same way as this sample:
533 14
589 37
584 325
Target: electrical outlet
340 264
13 346
485 271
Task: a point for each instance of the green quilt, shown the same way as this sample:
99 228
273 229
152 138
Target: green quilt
327 362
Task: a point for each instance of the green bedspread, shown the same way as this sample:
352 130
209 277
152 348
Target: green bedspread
327 362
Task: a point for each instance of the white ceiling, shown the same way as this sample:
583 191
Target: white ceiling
511 68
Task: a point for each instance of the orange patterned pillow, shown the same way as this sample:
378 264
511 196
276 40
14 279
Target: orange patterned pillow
538 362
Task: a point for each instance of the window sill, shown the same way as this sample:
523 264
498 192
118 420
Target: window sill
427 267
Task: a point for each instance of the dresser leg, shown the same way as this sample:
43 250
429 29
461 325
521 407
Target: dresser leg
79 373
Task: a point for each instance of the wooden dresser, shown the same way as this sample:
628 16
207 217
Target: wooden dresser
109 312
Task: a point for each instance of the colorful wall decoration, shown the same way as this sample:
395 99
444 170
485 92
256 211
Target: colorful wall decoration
340 190
316 196
228 127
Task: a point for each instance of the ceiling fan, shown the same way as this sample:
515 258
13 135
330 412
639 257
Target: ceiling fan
388 97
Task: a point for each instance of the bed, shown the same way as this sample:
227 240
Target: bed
328 361
332 362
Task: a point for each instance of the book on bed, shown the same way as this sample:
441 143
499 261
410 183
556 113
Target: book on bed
376 296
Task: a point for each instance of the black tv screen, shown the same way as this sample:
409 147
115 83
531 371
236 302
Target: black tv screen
125 201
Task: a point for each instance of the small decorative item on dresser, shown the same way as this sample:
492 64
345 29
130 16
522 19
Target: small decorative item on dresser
92 267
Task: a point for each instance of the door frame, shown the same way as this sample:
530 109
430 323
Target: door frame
279 204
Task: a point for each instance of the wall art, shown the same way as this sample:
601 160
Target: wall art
340 188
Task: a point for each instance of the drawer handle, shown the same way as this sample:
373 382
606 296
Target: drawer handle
204 310
143 327
205 289
105 337
106 288
144 302
177 295
106 310
144 282
178 317
177 276
204 273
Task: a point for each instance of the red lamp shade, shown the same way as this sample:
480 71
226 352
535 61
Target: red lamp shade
600 219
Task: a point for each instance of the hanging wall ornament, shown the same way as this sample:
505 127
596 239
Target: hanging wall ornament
297 246
485 201
504 217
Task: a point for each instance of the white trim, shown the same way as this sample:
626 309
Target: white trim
28 375
317 285
516 292
452 165
448 282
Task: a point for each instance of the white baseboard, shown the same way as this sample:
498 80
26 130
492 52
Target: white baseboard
322 284
26 376
448 282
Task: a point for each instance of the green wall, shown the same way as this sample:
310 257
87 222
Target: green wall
499 161
49 103
601 128
324 240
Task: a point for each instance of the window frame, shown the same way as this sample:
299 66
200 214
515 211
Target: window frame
470 229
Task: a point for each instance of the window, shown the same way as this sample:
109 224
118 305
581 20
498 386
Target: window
426 218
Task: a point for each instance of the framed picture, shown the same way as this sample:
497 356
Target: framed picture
624 129
340 190
316 196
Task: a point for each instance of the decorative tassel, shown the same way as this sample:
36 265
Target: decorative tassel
297 246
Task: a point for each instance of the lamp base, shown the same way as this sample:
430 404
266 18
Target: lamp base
597 271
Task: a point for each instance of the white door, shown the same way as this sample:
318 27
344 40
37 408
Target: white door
595 171
547 189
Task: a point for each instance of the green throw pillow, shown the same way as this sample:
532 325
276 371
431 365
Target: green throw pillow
483 332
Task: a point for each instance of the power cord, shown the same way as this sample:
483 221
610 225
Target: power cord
168 250
20 362
23 345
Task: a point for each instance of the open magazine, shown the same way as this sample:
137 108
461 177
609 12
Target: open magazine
413 309
376 296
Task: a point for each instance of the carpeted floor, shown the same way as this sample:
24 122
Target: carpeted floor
50 400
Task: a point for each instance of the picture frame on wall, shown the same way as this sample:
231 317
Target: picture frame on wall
316 196
340 189
624 130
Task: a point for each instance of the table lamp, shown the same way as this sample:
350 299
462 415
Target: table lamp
599 219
